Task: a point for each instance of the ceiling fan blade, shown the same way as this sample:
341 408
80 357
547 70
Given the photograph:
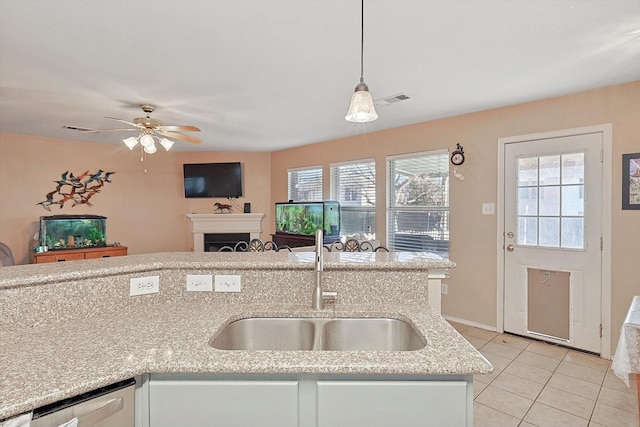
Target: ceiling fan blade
123 121
79 129
181 137
183 128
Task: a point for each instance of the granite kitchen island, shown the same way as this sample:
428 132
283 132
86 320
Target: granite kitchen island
73 327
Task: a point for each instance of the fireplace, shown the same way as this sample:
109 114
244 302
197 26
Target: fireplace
223 224
213 242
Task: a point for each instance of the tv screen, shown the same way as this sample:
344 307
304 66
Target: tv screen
212 180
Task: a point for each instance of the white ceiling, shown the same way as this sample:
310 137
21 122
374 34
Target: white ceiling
263 75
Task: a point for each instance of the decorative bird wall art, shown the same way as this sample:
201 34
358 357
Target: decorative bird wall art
76 189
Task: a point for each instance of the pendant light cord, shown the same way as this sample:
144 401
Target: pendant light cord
362 41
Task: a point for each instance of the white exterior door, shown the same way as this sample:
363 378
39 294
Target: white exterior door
552 239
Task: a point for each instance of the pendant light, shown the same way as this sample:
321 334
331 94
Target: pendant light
361 109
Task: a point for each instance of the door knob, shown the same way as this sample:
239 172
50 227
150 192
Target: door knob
510 248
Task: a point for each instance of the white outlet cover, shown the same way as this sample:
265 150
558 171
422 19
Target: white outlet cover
488 209
199 282
144 285
227 283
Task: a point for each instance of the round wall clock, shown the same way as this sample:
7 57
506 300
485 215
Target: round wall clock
457 157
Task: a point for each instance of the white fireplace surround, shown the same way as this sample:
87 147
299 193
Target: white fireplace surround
202 224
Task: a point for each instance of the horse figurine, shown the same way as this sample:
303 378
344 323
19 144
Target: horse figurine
222 207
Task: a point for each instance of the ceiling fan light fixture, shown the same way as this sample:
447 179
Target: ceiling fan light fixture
166 143
146 140
151 148
130 142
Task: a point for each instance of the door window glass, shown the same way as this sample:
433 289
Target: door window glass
551 201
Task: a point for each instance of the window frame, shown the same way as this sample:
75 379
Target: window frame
301 169
345 209
437 225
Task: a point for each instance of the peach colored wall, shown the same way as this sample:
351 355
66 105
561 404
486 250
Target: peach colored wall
146 212
472 286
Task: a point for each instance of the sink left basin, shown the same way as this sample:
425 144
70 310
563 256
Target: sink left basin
277 333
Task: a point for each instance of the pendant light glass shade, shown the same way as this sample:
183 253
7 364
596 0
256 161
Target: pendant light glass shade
361 109
130 142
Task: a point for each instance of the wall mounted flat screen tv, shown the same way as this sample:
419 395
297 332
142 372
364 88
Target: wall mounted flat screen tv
212 180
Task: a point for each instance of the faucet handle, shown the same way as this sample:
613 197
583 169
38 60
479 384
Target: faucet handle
329 297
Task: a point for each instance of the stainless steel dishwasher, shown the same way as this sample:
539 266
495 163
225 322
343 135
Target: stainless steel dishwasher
111 406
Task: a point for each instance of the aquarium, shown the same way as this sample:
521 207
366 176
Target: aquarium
305 218
73 231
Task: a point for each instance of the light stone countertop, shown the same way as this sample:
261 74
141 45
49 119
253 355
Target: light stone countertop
34 274
56 355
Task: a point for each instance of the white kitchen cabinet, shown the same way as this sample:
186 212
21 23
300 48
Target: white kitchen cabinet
212 403
389 403
209 400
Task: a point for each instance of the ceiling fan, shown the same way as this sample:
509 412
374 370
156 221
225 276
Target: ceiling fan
148 129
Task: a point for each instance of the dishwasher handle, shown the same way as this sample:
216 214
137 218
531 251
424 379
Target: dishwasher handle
102 413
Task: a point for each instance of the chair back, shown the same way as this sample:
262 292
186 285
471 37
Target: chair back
6 256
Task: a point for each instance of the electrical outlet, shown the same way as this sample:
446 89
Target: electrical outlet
144 285
199 282
488 209
444 289
227 283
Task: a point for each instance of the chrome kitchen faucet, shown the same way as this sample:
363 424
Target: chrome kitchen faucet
319 296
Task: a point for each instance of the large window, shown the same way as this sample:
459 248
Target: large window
305 184
418 202
354 186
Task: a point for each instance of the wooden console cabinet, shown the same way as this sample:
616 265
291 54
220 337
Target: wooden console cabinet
76 254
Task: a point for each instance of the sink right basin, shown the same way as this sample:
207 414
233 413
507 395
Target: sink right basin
373 334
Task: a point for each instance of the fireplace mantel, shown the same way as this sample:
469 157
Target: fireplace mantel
202 224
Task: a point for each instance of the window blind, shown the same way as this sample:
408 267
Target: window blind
418 202
305 185
354 186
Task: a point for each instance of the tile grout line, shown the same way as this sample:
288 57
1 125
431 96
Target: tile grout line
541 390
593 411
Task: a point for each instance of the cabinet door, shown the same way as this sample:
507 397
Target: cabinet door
207 403
393 403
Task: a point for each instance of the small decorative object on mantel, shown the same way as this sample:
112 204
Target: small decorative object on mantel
221 207
76 189
631 181
457 159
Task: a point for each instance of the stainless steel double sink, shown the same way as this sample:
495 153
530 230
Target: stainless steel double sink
322 334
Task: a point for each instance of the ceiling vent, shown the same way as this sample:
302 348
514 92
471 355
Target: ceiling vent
391 99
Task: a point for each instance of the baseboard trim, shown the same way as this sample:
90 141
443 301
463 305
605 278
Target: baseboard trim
470 323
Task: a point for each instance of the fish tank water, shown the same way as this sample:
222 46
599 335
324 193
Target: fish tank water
73 231
305 218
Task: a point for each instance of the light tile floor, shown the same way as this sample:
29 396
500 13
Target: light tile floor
539 384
